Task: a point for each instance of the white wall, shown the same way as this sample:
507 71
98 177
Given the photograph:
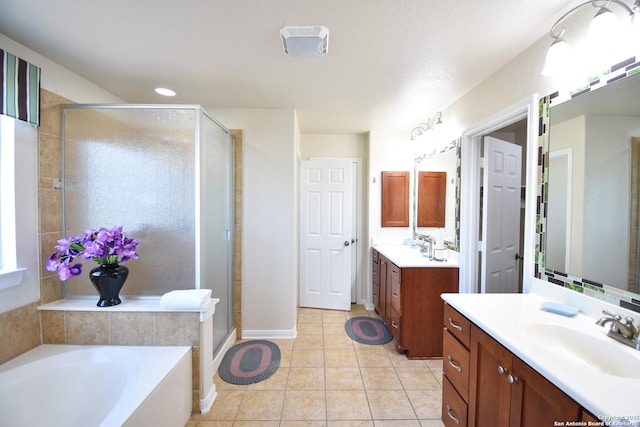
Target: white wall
58 79
269 218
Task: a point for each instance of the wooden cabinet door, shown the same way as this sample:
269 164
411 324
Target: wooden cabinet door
489 390
432 199
395 199
382 288
537 402
375 278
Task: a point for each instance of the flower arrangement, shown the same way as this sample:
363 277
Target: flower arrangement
103 246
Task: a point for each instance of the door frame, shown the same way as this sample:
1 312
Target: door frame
356 267
470 190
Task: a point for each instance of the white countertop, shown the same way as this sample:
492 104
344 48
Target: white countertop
511 319
407 257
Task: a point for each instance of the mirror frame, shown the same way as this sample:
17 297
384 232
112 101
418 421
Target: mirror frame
457 145
583 285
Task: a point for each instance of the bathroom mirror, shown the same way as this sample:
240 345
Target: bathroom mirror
593 191
447 160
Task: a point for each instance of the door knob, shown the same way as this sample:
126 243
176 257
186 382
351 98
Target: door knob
346 243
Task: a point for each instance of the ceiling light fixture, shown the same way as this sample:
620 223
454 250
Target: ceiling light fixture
426 126
165 92
603 36
301 41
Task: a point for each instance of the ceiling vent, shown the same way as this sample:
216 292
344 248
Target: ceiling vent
309 42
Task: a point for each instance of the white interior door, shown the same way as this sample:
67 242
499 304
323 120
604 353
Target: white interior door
326 233
502 178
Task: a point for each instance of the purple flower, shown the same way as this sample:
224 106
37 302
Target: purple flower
102 246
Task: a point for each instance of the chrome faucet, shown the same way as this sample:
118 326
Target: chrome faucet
426 244
622 330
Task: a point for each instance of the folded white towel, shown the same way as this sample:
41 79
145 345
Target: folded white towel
188 299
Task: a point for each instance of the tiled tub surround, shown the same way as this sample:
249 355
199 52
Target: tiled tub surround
138 323
138 386
508 318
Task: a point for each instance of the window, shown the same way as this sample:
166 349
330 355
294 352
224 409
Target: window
18 213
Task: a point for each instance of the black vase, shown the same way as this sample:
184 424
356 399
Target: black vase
108 280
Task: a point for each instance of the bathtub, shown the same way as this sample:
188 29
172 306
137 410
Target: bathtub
87 385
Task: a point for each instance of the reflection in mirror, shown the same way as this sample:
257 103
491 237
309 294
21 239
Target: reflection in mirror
593 191
447 161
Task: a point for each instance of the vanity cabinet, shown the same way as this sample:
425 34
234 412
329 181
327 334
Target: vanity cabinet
432 198
497 389
395 199
408 301
455 367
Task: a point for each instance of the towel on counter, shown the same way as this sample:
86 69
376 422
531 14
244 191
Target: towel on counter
188 299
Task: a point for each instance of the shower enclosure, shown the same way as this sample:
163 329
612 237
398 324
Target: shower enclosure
164 173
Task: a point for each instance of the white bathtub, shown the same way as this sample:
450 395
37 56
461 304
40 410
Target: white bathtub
84 385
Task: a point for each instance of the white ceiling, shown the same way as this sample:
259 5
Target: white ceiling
391 63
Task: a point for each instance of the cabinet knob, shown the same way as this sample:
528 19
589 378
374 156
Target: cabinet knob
502 370
451 415
512 379
453 364
346 243
455 325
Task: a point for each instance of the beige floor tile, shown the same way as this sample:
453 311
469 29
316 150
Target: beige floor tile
303 424
347 405
308 329
328 383
348 423
344 378
261 405
340 358
390 405
417 378
427 403
380 378
310 317
309 341
397 423
372 356
224 407
304 405
260 423
333 328
336 341
306 379
334 316
285 357
307 358
278 381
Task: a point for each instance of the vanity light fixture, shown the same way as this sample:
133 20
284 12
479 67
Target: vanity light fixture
604 26
165 92
427 126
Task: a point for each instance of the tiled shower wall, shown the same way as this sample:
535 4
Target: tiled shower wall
21 326
23 329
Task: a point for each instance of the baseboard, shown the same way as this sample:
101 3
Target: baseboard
207 402
266 334
369 307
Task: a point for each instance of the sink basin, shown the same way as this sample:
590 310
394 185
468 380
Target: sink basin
592 351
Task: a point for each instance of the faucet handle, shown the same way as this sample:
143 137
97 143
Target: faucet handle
614 316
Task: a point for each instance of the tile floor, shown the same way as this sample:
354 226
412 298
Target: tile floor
326 379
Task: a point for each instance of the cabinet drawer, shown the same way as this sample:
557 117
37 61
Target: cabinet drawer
395 296
455 364
458 325
395 325
454 408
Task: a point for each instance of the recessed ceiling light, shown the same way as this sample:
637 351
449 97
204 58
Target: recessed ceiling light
165 92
